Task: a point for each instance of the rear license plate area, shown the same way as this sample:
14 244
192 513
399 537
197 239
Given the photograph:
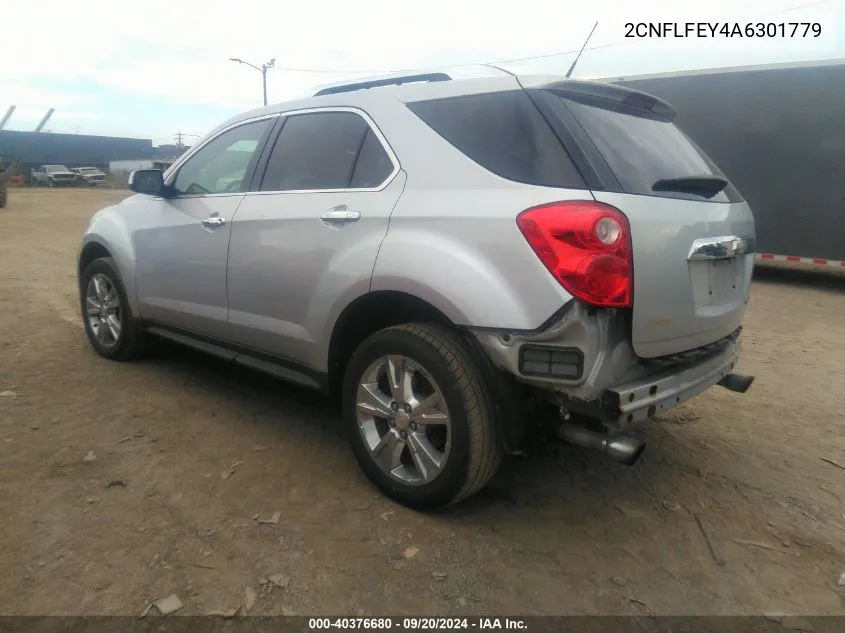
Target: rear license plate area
714 281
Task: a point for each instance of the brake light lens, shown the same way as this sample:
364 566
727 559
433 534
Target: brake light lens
639 101
586 245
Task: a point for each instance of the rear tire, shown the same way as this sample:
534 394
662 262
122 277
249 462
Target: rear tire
2 197
112 329
434 366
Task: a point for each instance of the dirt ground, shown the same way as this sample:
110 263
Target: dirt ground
732 510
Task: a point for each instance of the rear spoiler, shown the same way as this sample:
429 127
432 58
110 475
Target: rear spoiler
592 90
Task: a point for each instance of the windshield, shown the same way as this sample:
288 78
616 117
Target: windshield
647 152
54 168
89 170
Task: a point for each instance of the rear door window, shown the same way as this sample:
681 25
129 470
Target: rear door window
504 133
373 166
642 149
330 150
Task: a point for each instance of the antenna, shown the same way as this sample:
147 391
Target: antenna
578 56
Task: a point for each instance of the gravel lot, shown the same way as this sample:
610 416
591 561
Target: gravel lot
733 509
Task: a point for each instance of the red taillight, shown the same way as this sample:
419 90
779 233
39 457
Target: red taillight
586 246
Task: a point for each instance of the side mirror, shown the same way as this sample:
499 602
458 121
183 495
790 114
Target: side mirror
147 181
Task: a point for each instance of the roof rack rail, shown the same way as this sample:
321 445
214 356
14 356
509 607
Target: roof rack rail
377 83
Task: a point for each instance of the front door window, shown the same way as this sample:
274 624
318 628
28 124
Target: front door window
220 166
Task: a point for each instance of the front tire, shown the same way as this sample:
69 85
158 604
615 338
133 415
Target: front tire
420 416
111 328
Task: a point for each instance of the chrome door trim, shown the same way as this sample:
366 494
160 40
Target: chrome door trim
170 174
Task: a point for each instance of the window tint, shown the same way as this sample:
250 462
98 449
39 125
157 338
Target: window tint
504 133
316 151
222 164
373 166
640 150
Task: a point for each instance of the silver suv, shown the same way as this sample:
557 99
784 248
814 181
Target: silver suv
452 257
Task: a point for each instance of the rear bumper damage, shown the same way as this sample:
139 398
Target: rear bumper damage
642 399
607 382
637 401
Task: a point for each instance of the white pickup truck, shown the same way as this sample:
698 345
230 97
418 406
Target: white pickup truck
53 176
90 176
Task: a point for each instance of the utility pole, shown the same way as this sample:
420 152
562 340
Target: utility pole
179 137
262 70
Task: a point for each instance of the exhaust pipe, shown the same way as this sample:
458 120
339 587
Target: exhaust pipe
621 448
736 382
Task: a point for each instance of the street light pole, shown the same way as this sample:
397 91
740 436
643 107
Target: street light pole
263 70
264 82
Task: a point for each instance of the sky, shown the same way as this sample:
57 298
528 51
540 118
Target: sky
153 68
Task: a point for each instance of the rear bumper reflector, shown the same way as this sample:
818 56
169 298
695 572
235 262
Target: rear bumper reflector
551 362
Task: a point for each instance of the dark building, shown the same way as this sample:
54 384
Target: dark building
70 150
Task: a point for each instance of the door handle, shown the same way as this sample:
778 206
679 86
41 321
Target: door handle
214 220
340 215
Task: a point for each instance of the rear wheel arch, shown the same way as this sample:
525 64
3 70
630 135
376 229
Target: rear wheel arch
382 309
368 314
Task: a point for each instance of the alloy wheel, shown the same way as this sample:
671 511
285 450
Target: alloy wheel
404 420
102 310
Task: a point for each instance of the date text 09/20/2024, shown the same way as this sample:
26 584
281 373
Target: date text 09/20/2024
418 624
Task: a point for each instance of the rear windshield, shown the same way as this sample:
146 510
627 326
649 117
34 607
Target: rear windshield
504 133
641 149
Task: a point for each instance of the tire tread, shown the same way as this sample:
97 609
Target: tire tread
135 344
486 450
